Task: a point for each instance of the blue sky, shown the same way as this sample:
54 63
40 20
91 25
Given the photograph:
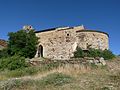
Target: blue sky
103 15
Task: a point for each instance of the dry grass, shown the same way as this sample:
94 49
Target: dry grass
73 69
84 77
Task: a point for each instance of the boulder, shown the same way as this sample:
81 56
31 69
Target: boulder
102 61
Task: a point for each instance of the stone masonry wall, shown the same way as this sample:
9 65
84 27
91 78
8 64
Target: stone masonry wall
62 42
95 40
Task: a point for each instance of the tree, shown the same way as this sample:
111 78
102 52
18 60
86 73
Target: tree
23 43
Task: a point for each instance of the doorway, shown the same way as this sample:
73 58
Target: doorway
40 51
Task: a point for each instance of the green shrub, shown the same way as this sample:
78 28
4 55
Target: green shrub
4 53
106 54
12 63
94 53
30 70
79 53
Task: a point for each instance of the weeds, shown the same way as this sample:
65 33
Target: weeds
28 70
54 79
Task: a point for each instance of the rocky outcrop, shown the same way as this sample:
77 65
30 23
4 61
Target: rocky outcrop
3 44
97 61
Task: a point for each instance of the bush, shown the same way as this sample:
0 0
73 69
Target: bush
94 53
4 53
79 53
30 70
12 63
106 54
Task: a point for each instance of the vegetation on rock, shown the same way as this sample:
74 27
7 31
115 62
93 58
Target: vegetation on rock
106 54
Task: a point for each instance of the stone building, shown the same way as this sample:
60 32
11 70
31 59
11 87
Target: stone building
60 43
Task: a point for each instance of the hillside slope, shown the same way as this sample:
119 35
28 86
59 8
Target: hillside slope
69 77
